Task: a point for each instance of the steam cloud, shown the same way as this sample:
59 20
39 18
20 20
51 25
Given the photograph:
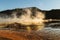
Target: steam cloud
26 16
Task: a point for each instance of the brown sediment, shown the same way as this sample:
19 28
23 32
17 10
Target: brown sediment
14 35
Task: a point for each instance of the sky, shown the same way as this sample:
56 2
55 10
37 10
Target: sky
41 4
